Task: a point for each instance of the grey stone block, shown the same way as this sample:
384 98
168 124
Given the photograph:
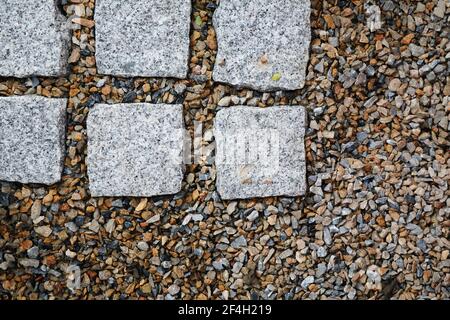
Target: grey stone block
148 38
32 139
262 44
260 152
135 150
34 39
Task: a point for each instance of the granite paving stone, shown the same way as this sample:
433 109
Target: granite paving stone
147 38
135 149
260 152
262 44
32 132
34 39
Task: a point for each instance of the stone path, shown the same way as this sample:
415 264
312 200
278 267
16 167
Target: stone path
34 39
147 38
373 223
137 150
32 138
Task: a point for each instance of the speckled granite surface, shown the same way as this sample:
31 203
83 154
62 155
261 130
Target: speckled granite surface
32 135
34 39
143 38
260 152
135 149
260 45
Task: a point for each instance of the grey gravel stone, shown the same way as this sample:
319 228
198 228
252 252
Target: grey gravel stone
174 289
262 44
416 51
286 253
32 132
135 149
439 10
142 245
27 263
231 207
321 252
253 215
239 242
143 38
33 252
260 152
219 264
34 39
307 281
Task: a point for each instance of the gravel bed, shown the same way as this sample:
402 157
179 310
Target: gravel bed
374 223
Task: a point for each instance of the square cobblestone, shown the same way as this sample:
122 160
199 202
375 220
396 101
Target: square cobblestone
148 38
262 44
135 149
260 152
34 39
32 132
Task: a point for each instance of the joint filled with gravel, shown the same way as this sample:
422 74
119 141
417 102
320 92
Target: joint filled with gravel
34 39
260 152
148 38
135 150
262 44
32 134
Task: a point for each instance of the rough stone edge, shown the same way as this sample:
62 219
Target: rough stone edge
65 35
89 125
251 86
222 114
62 125
181 76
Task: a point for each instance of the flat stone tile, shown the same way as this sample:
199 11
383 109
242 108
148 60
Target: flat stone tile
262 44
148 38
135 150
32 139
260 152
34 39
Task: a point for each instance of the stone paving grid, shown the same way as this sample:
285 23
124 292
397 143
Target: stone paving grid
32 135
281 172
135 149
34 39
148 38
374 119
260 46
